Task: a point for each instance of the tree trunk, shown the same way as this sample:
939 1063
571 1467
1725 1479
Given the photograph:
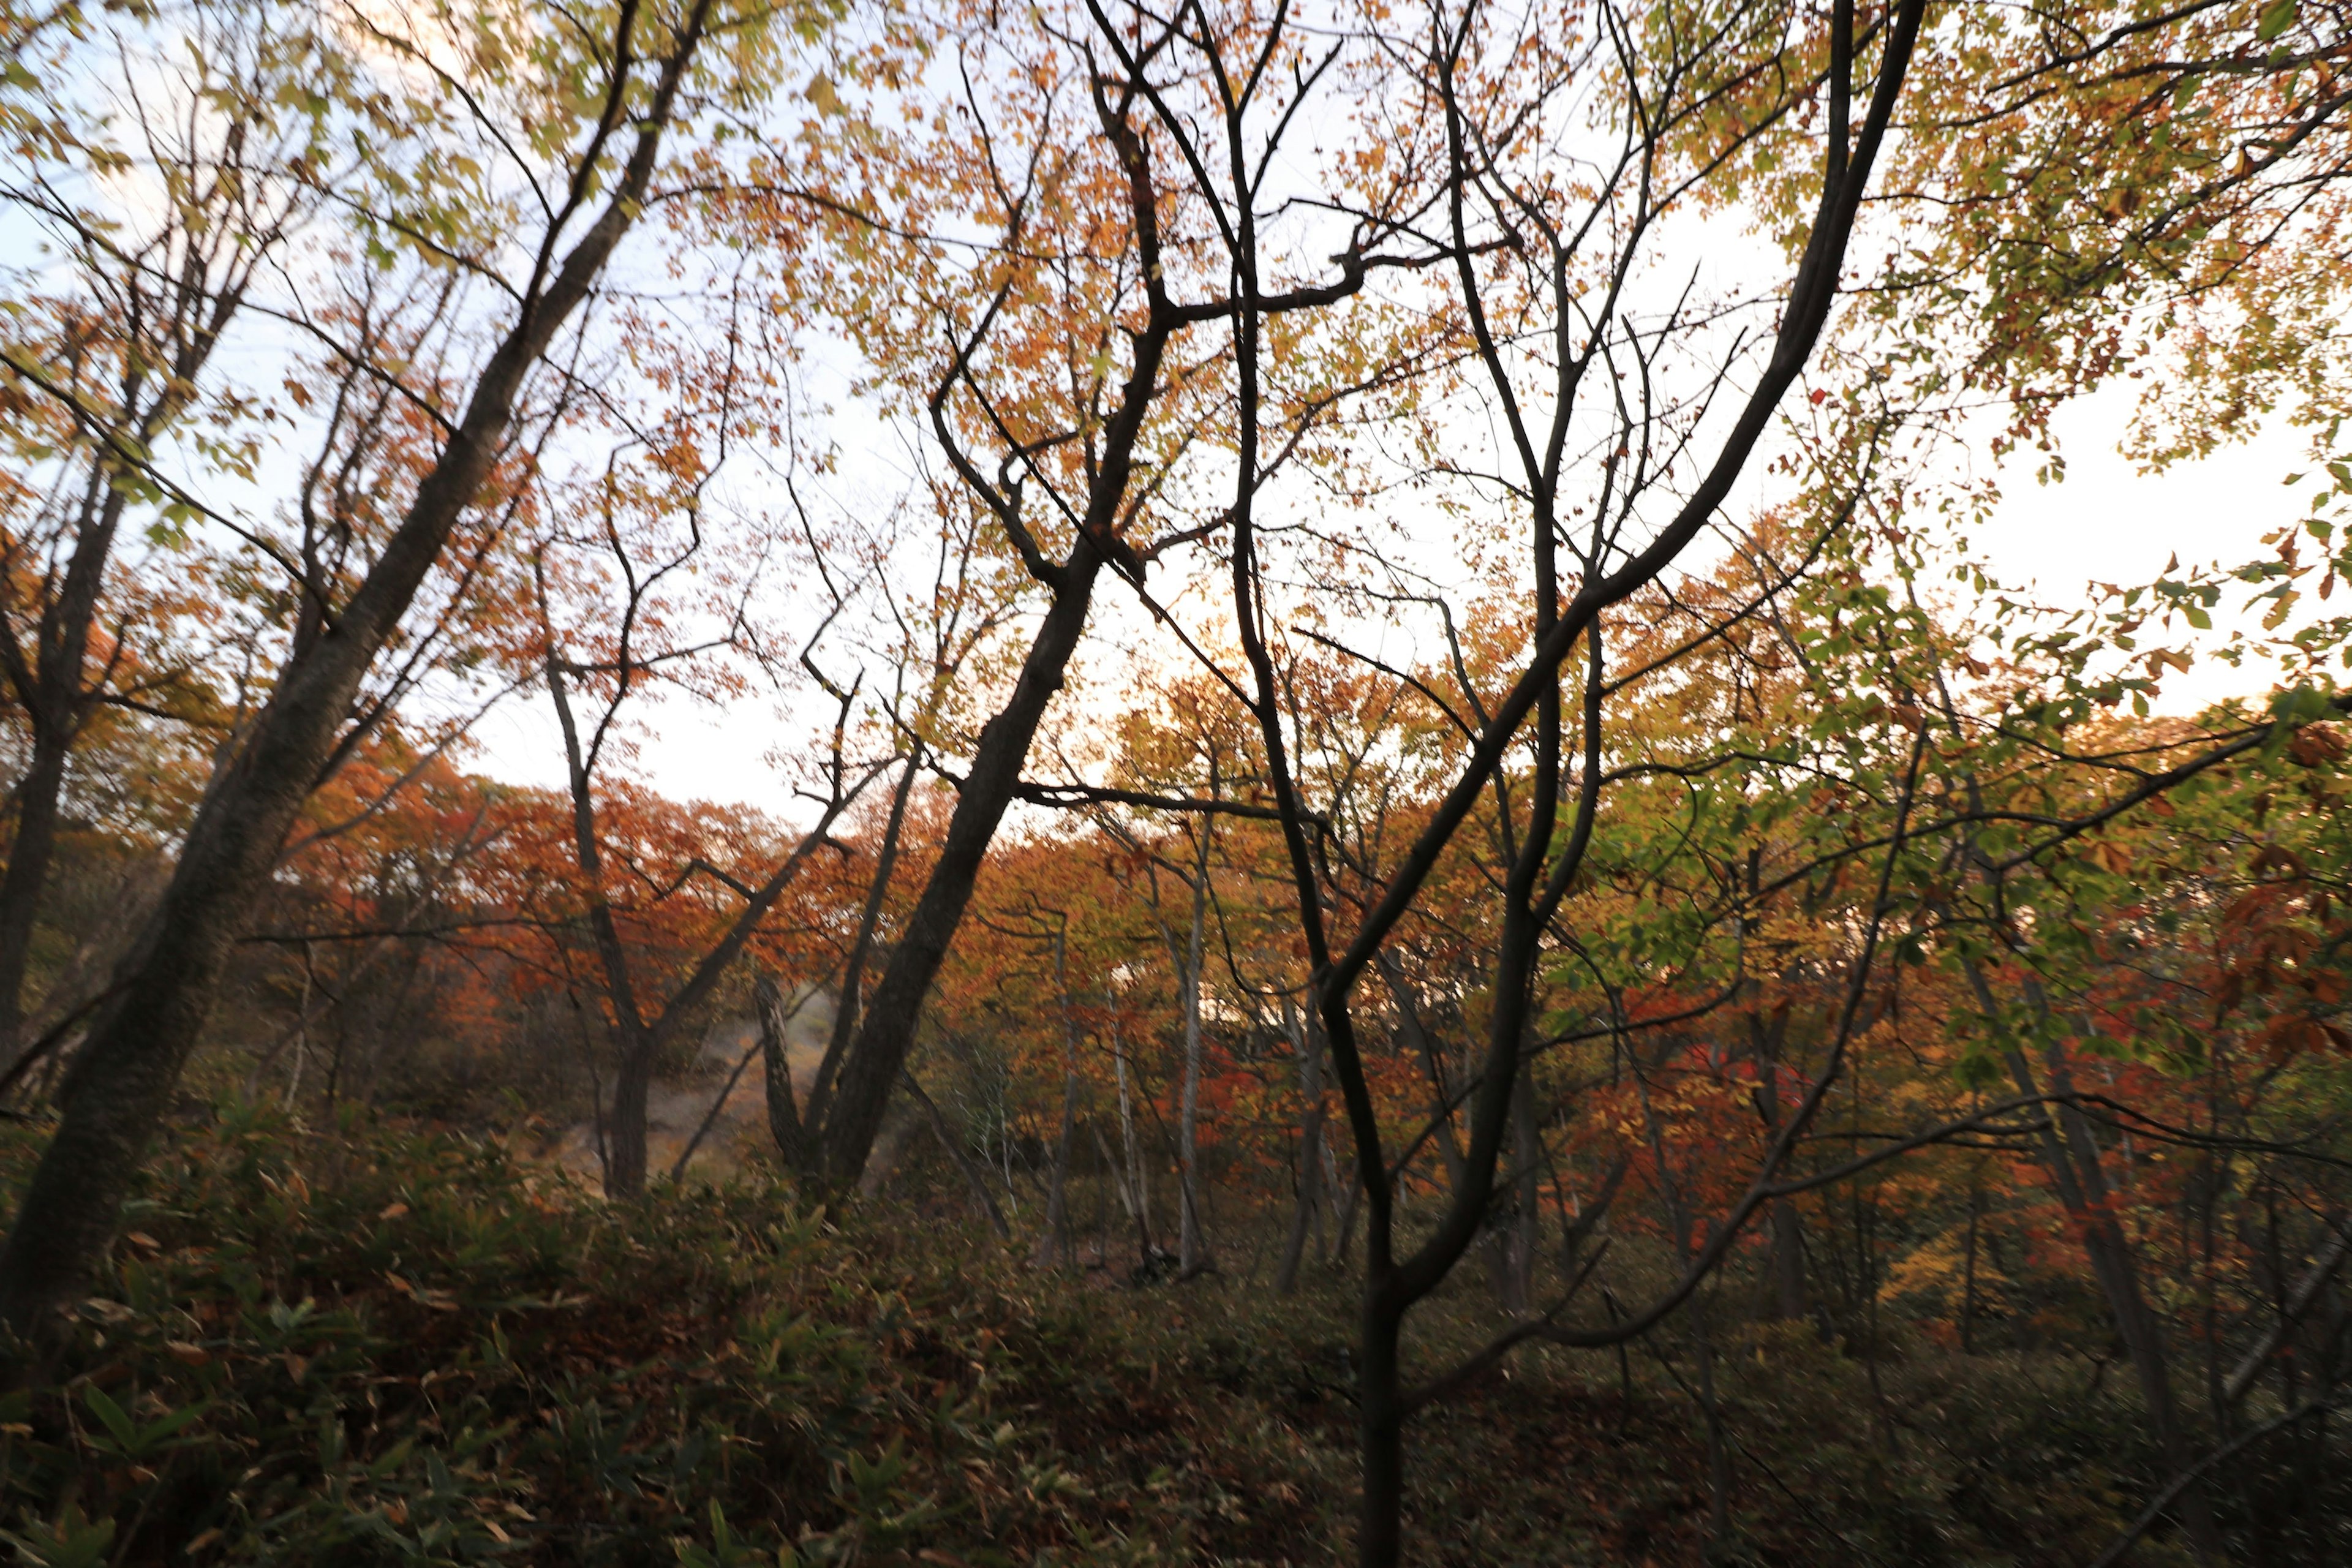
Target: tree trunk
861 1092
1789 1300
1309 1046
57 706
1380 1429
1433 1063
1788 1226
1191 1246
861 948
1050 1237
878 1053
633 1080
1718 1450
633 1047
783 1117
1518 1234
1129 1149
27 877
2069 1155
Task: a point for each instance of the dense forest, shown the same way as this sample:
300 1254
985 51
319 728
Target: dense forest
912 781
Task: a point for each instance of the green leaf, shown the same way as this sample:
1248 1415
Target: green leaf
2276 18
102 1405
73 1542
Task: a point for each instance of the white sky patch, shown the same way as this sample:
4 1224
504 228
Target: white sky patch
2109 522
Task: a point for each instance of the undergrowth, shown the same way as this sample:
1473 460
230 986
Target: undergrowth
399 1346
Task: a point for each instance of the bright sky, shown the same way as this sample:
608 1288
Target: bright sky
2106 521
2109 522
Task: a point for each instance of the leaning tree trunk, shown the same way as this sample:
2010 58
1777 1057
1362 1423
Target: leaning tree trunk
123 1082
870 1069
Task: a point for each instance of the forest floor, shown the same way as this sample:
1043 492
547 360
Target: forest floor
395 1346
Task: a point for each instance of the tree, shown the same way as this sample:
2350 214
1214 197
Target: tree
196 101
1070 389
1476 96
660 586
604 117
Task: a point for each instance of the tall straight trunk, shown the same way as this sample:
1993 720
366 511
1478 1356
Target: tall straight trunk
1380 1420
1309 1046
2069 1155
1130 1150
1051 1235
1517 1237
1787 1224
1789 1302
123 1082
1055 1239
1191 1246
